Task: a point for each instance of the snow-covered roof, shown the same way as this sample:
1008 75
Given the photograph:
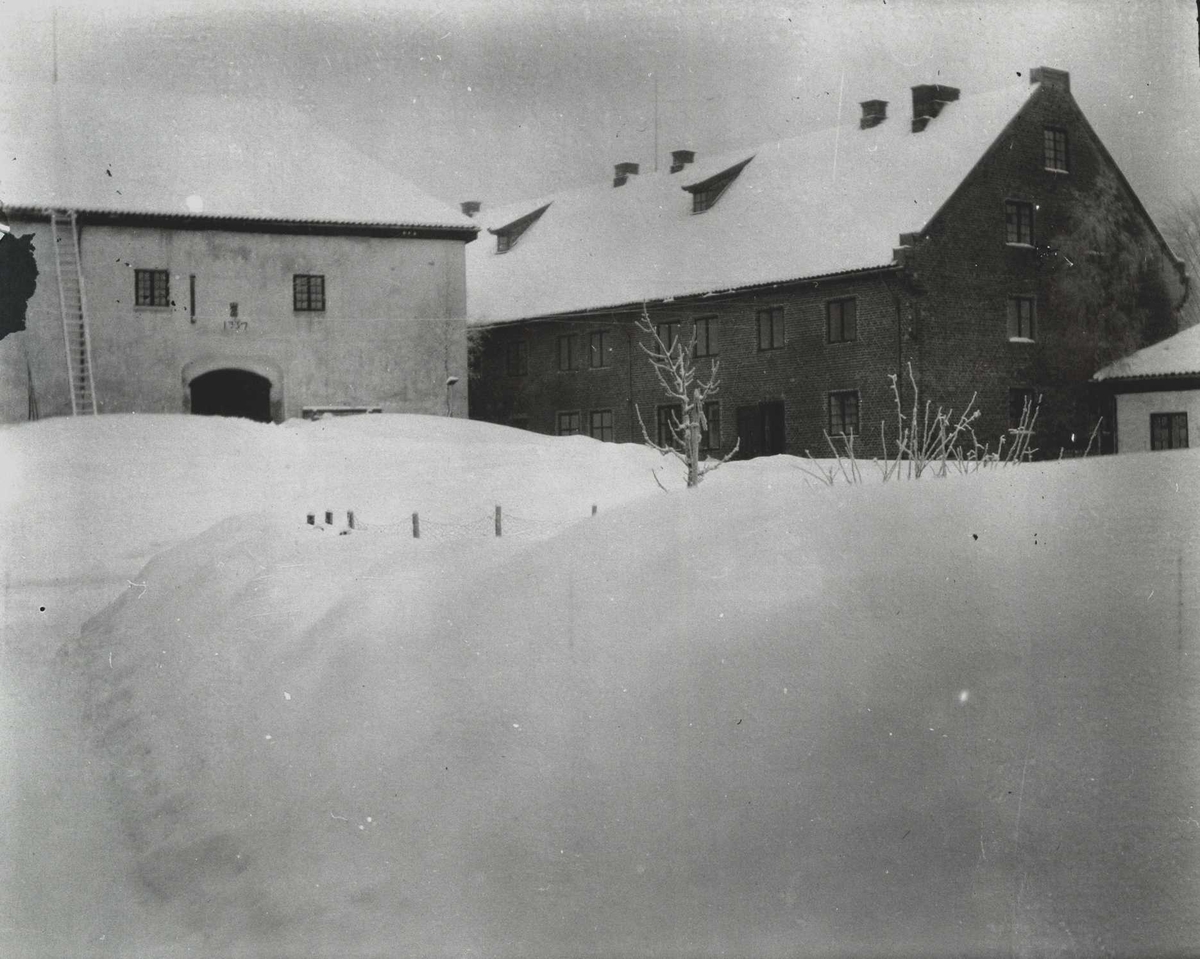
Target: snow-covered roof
1177 355
831 201
104 150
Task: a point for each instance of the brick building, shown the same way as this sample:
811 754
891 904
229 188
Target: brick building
811 268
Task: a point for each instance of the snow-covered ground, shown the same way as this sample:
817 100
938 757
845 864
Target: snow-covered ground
760 717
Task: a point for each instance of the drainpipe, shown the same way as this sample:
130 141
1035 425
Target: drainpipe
629 412
899 345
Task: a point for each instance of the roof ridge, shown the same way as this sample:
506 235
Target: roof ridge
744 151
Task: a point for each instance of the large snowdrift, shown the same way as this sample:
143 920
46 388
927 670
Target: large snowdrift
757 718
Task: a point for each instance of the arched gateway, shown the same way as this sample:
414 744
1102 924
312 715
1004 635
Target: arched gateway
228 387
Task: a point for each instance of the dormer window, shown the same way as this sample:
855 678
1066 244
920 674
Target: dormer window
706 193
507 235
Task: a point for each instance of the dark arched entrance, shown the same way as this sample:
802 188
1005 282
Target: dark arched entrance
228 392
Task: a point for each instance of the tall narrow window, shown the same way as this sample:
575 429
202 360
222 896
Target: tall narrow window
516 358
1018 220
1022 404
600 425
668 332
151 288
1022 314
668 417
843 413
1168 431
1055 146
710 438
706 336
841 320
770 328
308 293
598 350
569 356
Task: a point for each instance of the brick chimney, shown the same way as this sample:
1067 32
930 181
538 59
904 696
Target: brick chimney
681 158
874 112
928 100
1048 76
622 172
471 207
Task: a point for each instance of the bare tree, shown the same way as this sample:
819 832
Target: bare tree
676 370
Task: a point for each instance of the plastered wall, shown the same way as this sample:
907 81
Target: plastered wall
392 331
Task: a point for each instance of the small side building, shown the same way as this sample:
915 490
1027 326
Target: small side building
1157 393
223 256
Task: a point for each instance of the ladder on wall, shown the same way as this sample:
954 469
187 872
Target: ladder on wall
64 232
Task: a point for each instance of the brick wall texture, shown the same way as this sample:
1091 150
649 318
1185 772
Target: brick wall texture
944 310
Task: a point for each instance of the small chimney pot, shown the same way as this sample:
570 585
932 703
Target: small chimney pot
622 173
874 112
681 158
1050 77
928 100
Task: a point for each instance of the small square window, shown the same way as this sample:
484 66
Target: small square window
516 358
1168 431
600 425
1022 317
843 413
598 350
770 328
568 423
151 288
706 336
1055 148
308 293
841 320
1018 219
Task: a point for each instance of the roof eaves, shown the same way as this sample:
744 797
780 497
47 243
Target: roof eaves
1105 377
112 215
695 295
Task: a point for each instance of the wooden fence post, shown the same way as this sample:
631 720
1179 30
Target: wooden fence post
416 526
497 520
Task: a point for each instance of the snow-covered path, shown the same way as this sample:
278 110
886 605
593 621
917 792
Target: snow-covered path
84 504
757 718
